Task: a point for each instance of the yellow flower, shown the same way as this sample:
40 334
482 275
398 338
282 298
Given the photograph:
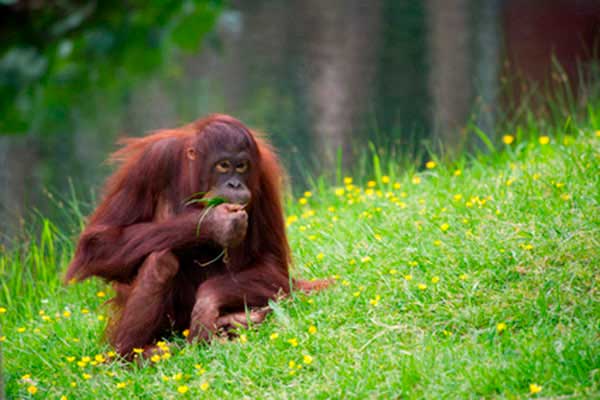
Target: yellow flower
375 301
155 358
356 294
86 376
67 314
447 333
435 279
307 359
339 191
274 336
365 259
307 194
430 164
534 388
320 256
501 327
385 179
463 277
2 339
444 227
21 329
457 172
85 311
32 389
302 201
544 140
508 139
378 237
347 180
100 358
204 386
243 338
408 277
183 389
121 385
437 243
393 271
422 286
565 196
312 329
138 350
371 184
166 356
63 398
416 180
293 342
101 294
2 310
186 333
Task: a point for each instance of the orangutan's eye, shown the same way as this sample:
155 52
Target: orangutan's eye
223 167
242 167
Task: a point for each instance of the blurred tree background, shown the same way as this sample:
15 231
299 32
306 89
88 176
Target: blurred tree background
323 78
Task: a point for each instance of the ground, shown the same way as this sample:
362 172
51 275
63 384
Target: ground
473 279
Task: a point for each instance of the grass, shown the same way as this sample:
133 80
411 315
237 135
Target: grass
477 279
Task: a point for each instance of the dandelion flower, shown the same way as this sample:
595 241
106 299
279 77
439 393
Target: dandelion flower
274 336
32 389
302 201
121 385
422 286
435 279
508 139
67 314
21 329
385 179
544 140
339 191
138 350
457 172
2 310
307 359
371 184
155 358
500 327
534 388
312 329
243 338
463 277
86 376
101 294
186 333
307 194
183 389
444 227
204 386
430 164
416 180
347 180
408 277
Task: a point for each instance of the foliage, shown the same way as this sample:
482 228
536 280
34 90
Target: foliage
54 57
476 279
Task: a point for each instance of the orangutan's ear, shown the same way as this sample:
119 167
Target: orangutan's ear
190 153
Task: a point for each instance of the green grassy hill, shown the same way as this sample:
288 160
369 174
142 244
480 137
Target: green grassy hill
478 279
